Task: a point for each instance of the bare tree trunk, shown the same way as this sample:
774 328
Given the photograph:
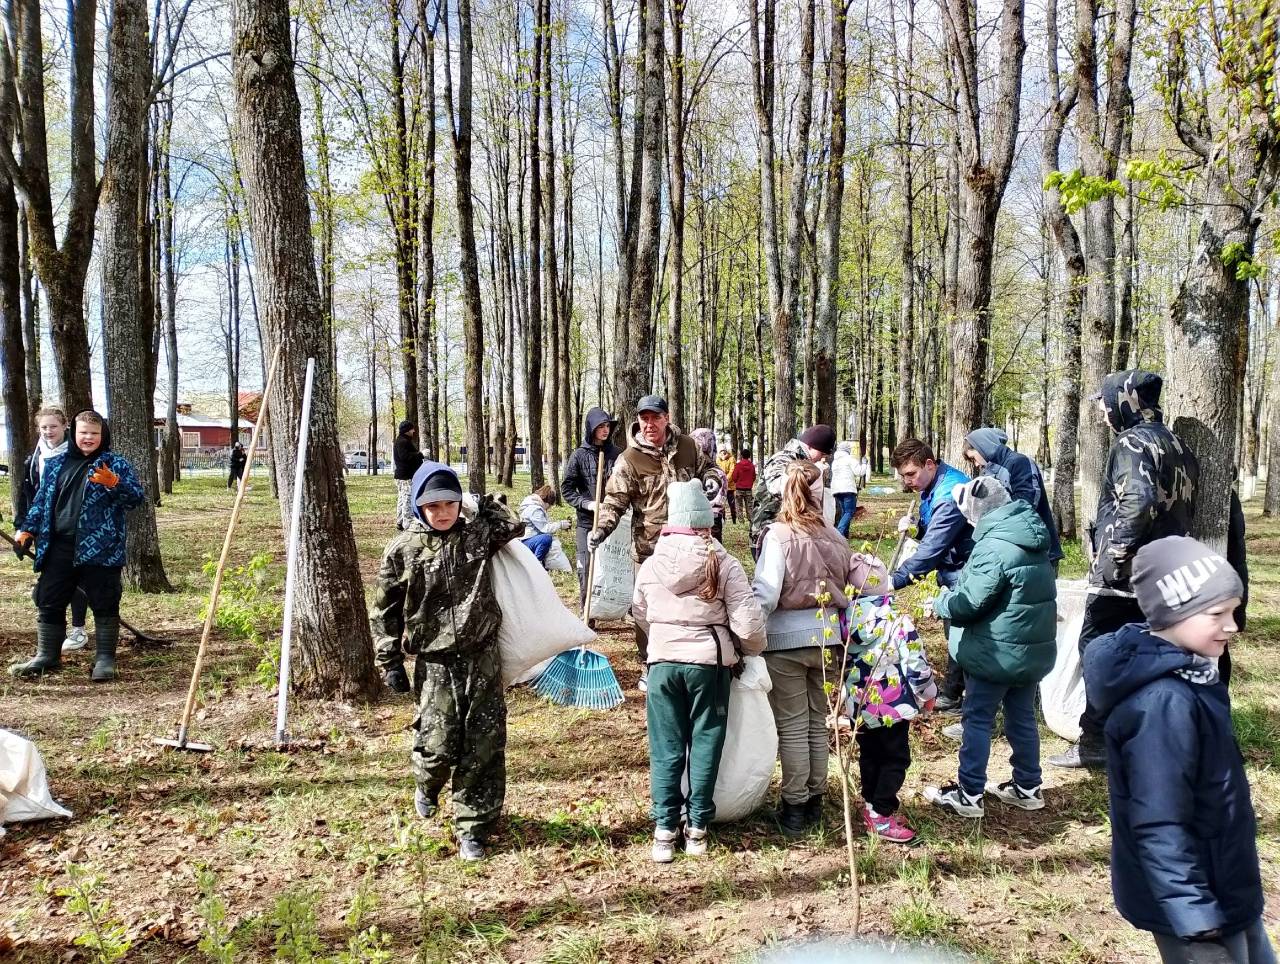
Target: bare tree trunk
982 184
828 315
1100 134
13 363
676 170
472 310
171 451
30 315
428 417
763 39
907 361
550 267
334 651
1068 244
127 378
1271 498
632 378
62 269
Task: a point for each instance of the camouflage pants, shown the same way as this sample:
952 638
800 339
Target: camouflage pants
462 730
388 654
404 503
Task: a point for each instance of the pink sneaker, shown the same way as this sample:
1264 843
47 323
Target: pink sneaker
891 828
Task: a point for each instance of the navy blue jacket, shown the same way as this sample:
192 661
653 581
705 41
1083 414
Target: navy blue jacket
1183 855
1020 475
100 531
946 538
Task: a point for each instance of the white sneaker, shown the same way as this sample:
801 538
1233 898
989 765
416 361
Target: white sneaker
695 842
77 638
1015 796
952 798
664 845
643 684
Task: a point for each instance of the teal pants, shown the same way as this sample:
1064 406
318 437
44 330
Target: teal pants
688 711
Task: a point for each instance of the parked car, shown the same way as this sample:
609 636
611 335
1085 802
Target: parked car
360 460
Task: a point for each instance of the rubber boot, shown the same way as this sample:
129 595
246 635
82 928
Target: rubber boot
106 631
48 659
791 819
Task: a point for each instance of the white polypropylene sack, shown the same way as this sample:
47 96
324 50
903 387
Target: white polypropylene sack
750 745
557 561
614 577
24 788
535 623
1062 691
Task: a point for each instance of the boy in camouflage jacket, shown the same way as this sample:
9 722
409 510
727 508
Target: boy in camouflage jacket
435 590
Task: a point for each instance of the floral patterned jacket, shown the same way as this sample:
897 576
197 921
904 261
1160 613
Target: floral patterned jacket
888 678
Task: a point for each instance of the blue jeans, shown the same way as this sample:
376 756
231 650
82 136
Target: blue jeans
539 545
846 505
982 699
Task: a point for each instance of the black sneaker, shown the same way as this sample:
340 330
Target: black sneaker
397 679
469 848
948 704
425 805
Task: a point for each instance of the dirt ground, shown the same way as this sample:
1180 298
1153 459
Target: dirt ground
250 854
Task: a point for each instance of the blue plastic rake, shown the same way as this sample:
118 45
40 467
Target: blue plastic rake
582 677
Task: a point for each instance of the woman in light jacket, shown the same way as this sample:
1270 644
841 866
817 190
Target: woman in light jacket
802 557
693 598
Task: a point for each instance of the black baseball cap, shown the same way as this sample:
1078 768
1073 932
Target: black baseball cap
653 403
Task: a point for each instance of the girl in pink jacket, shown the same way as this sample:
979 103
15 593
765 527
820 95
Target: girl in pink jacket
694 600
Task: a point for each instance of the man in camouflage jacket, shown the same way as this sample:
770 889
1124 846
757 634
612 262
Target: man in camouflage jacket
1148 492
657 454
435 591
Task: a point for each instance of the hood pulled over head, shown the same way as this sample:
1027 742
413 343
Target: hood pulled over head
1131 398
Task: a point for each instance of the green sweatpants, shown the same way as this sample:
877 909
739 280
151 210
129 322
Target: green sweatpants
688 711
462 731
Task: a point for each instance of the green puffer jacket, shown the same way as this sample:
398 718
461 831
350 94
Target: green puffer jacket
435 588
1003 609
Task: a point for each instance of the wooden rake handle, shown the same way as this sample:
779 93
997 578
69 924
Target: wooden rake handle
212 611
595 521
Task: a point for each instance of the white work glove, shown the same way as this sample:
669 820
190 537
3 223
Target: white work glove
906 524
589 505
558 526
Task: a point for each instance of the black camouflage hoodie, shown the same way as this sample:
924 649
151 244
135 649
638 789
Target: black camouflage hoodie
1149 483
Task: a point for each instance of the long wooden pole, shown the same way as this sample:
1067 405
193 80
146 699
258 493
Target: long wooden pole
212 611
595 521
291 569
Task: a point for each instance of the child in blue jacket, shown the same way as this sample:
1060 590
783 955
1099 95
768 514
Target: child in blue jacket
1184 862
76 524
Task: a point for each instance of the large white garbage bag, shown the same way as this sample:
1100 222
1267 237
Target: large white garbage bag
24 788
614 578
750 745
557 561
535 623
1062 691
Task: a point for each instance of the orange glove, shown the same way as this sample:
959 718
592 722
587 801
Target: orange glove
104 477
24 539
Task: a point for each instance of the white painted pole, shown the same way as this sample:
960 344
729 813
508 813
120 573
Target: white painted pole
291 569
